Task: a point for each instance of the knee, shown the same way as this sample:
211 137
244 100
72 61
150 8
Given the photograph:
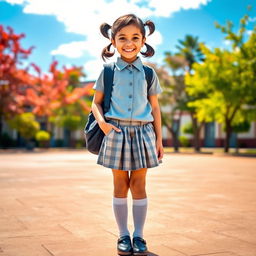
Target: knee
121 188
137 186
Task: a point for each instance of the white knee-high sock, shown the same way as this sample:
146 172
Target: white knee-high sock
139 210
120 209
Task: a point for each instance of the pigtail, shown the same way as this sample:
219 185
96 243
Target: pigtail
151 26
104 28
106 53
149 52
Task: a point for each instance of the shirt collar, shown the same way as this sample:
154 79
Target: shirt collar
121 64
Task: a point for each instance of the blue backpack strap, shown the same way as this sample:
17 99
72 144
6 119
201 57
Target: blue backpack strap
149 75
108 85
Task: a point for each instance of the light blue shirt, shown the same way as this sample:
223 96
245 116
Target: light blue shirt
129 99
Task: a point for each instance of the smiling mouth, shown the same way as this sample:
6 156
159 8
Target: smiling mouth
128 50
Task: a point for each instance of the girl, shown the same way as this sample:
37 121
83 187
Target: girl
132 126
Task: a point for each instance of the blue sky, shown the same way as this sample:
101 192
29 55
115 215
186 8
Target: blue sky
68 30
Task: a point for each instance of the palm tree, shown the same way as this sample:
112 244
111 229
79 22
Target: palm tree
189 49
173 96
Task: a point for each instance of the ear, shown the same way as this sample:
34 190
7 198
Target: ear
143 41
113 42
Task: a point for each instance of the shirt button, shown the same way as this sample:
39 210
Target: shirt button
130 96
129 109
130 83
130 72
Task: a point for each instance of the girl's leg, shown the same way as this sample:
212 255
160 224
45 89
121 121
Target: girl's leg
140 203
121 182
120 208
138 183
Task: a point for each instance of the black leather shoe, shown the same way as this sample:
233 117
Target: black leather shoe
124 245
139 246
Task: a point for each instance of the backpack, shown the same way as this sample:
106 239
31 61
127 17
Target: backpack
93 134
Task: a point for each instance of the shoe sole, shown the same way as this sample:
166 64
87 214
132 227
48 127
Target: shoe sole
124 253
140 253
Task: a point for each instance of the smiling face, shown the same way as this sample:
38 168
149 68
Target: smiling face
128 42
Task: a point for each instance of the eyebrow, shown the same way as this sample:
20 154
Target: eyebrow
136 34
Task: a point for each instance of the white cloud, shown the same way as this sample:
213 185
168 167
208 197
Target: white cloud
92 69
15 1
227 42
84 18
165 8
71 50
249 32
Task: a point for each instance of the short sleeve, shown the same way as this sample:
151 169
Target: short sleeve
155 87
99 84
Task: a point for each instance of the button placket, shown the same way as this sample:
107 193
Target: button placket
131 96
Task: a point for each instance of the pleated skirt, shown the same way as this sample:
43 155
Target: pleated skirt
131 149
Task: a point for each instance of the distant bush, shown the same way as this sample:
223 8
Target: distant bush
43 137
184 141
25 124
187 128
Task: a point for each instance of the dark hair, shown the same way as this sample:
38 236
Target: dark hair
122 22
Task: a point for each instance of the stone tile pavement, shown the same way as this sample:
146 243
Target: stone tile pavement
59 203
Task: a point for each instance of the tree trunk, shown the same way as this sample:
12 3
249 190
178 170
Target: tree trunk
228 134
173 132
196 130
237 144
175 140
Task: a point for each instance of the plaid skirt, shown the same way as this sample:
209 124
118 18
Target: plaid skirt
131 149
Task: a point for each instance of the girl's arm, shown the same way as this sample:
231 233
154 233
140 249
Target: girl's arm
157 124
97 108
98 113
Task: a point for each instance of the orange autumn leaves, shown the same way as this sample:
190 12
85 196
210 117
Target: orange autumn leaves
41 93
56 90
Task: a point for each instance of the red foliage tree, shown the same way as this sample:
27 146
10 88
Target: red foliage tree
57 89
58 95
42 94
13 79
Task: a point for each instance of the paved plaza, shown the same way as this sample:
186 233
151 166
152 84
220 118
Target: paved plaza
59 203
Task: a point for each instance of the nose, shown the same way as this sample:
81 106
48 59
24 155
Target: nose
128 42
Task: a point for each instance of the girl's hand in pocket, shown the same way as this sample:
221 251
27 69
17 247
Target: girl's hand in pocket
107 127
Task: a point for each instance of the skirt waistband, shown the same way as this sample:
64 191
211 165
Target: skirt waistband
128 123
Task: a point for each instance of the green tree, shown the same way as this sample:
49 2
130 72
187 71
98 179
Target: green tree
227 77
26 125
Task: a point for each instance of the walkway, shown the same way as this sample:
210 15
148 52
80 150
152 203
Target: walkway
59 203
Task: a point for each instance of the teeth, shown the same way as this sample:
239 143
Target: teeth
130 50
